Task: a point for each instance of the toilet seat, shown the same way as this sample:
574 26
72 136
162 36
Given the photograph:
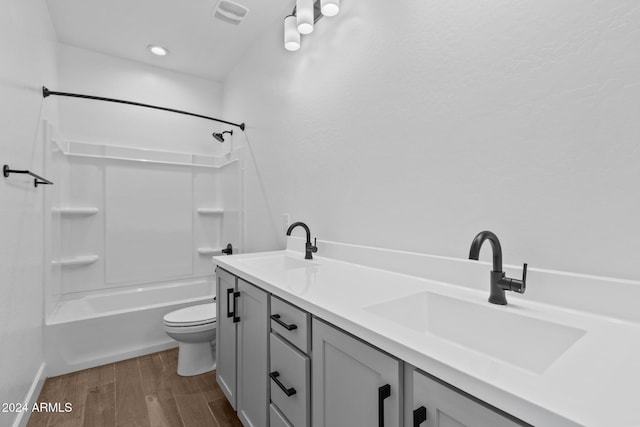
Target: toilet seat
196 315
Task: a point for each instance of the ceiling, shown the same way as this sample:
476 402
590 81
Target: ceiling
198 43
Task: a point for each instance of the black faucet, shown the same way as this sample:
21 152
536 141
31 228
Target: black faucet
499 283
309 248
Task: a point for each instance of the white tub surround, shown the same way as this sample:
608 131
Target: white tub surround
103 328
103 234
545 358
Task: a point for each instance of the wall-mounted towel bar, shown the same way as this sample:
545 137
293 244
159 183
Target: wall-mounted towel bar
46 92
6 171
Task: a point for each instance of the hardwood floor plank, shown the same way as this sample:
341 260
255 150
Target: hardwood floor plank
102 375
38 419
100 406
193 409
152 371
142 392
209 387
162 409
50 393
224 413
131 408
73 388
170 359
190 401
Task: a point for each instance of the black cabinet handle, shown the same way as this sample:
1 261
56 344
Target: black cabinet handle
383 393
236 318
419 416
288 391
291 327
229 313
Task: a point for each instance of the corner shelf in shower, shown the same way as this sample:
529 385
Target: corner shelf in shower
86 211
209 251
76 261
210 211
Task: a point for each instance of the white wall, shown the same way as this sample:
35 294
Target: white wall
85 72
417 124
27 55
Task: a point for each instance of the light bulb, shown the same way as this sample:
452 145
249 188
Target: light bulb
330 7
304 14
291 34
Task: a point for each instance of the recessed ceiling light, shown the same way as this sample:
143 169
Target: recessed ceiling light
157 50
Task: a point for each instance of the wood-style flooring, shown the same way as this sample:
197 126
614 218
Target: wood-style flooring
141 392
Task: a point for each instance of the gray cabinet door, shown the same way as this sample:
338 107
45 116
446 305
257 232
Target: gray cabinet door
276 419
446 407
349 380
253 333
225 335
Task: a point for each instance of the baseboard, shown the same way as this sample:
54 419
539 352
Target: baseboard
22 418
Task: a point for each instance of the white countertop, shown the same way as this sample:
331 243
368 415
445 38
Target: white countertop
596 382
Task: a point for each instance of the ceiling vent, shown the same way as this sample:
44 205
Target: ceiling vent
230 12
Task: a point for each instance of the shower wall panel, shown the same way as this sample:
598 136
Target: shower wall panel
124 217
148 223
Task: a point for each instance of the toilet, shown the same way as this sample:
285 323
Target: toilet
195 330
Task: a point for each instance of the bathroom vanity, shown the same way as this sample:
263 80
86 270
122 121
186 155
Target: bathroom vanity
328 343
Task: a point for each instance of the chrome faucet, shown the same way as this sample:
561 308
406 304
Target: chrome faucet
499 281
309 248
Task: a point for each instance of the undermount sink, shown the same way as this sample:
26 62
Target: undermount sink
278 262
529 343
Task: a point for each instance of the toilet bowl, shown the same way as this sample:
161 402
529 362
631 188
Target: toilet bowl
195 330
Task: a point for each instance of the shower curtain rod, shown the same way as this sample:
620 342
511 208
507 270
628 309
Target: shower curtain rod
46 92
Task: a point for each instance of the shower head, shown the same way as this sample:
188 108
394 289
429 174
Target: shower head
220 136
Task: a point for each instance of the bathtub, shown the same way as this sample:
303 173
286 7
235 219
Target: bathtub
102 328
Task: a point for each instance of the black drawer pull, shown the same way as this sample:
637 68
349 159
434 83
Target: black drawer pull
383 393
419 416
236 318
288 391
291 327
229 292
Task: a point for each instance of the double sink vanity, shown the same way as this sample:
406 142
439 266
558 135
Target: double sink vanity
333 341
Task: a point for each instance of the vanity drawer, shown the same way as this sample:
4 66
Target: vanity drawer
276 419
291 323
289 376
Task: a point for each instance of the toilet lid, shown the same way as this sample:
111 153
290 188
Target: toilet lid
191 316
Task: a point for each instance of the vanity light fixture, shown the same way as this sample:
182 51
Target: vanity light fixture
291 34
158 50
330 7
304 15
303 18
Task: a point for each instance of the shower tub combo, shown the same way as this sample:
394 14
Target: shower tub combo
121 257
